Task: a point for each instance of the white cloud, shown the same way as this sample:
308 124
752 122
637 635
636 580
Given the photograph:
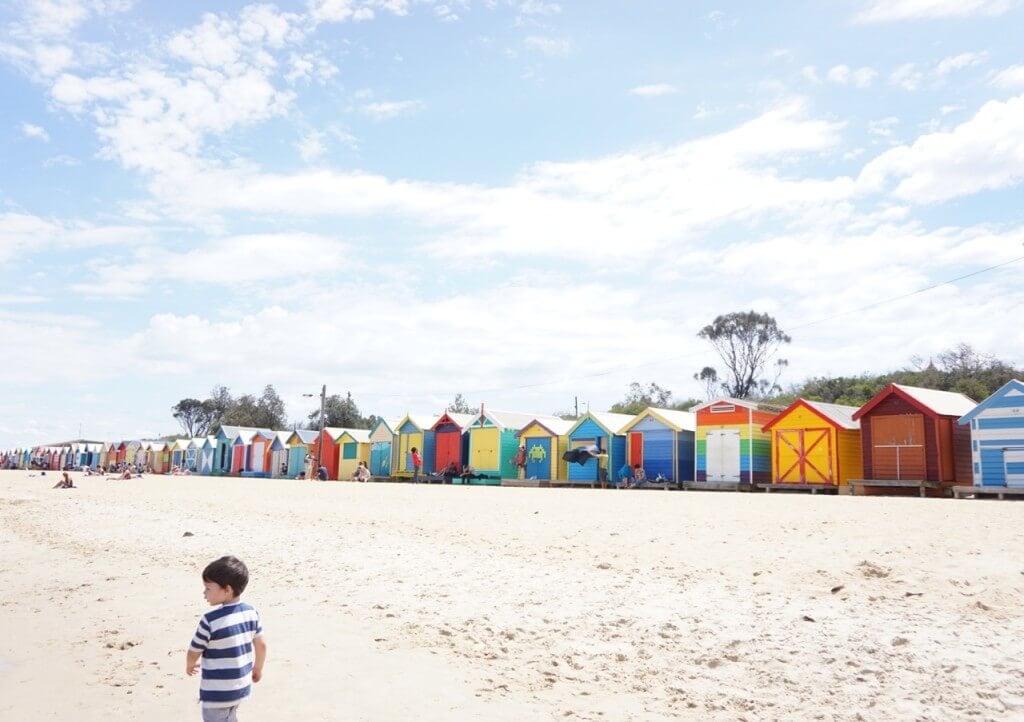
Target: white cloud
877 11
959 62
35 131
554 209
539 7
338 11
838 74
1011 77
845 75
653 90
152 121
907 77
985 152
863 77
704 111
308 67
18 299
62 159
446 13
232 44
386 110
883 127
233 260
311 147
810 73
51 60
552 47
54 18
22 233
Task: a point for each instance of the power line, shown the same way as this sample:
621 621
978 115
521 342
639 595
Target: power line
907 295
632 367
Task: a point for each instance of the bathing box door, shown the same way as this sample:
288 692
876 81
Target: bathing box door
723 454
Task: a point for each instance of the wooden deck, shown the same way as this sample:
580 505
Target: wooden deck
529 483
978 492
716 486
812 488
858 486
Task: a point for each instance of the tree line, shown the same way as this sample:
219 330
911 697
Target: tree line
199 417
747 343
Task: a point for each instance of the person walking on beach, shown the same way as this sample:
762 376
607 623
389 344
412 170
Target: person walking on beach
417 464
520 461
228 645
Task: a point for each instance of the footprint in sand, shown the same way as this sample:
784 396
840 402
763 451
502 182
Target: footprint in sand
870 569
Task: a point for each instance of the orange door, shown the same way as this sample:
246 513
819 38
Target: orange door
944 432
636 449
897 447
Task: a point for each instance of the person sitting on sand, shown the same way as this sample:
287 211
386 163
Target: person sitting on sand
362 472
450 472
65 482
639 477
301 475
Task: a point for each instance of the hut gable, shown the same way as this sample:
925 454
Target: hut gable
1008 400
413 424
926 401
996 427
306 437
673 419
836 415
509 420
554 427
383 430
454 421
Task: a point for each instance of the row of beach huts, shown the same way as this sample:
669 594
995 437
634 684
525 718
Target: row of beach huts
904 440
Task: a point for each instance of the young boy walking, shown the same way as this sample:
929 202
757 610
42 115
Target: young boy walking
228 642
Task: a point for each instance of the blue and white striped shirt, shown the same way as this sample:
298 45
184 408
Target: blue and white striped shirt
225 637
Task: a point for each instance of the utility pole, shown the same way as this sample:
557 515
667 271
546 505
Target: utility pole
320 445
576 406
320 437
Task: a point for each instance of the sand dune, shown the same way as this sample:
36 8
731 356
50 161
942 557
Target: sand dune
395 602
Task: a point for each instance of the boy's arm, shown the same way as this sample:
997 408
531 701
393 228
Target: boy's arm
192 657
259 646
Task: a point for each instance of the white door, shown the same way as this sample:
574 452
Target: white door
1013 465
723 450
257 455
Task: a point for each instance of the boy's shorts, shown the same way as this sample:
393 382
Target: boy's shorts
220 714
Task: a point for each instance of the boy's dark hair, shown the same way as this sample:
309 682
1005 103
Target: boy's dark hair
228 572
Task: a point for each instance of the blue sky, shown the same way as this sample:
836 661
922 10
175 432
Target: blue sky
517 200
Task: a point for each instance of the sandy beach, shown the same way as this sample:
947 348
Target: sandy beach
402 602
